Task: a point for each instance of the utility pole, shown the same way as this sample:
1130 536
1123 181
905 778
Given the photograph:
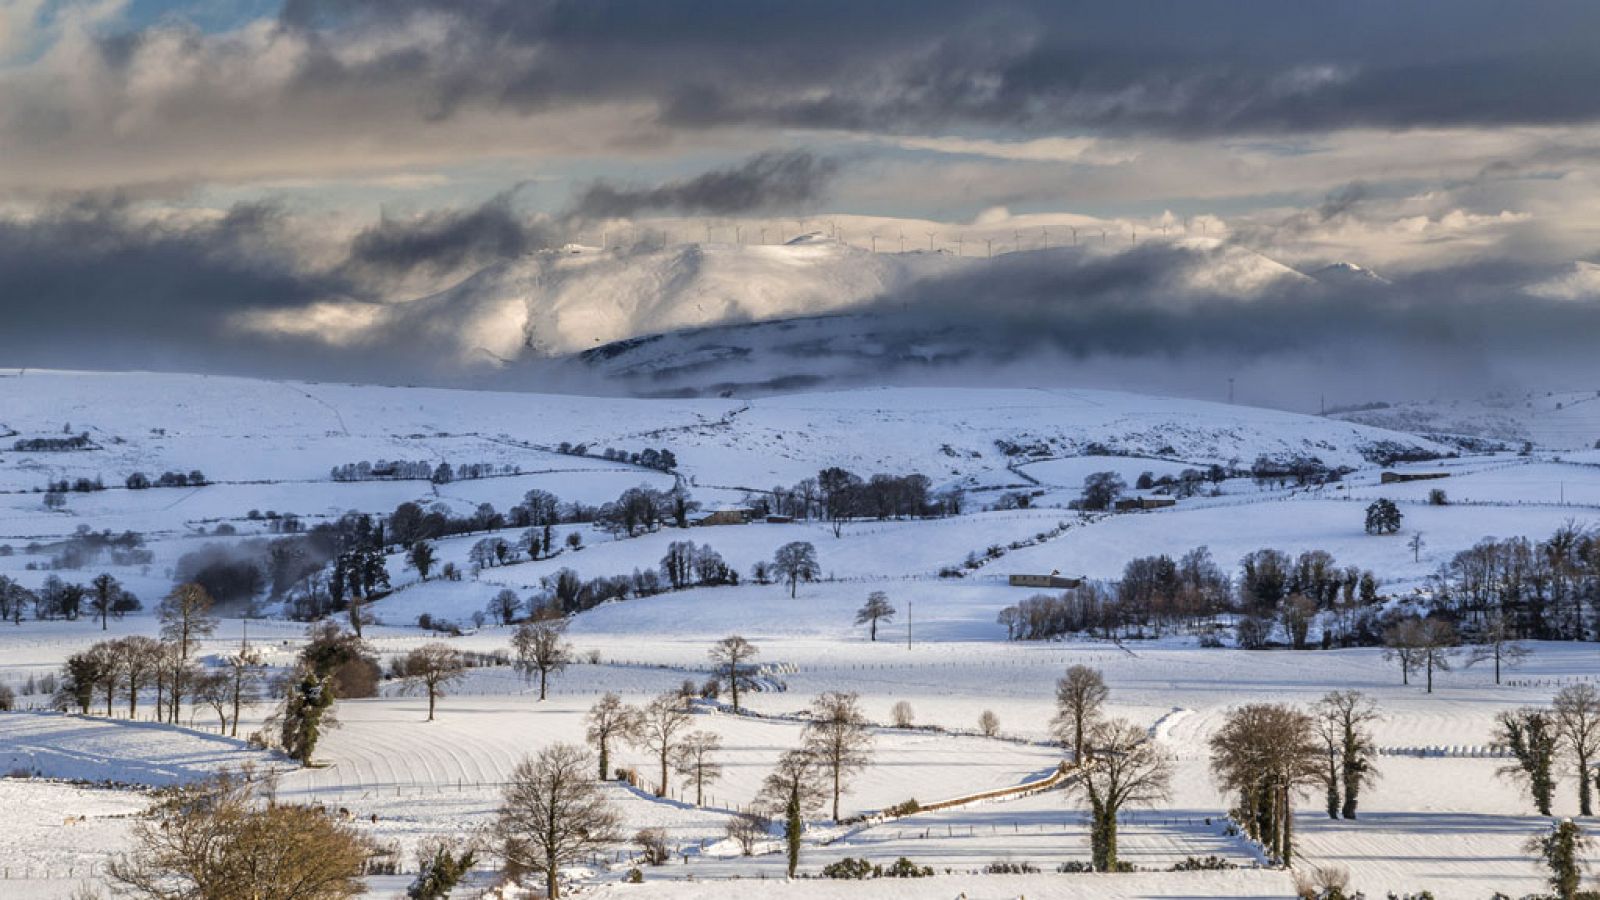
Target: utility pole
902 242
990 242
1230 390
1074 237
908 624
930 242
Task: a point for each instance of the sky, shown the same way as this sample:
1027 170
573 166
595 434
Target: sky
169 168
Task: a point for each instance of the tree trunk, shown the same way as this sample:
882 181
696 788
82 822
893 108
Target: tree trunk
791 830
874 629
1430 674
1288 829
605 758
662 791
836 793
430 704
543 677
552 886
1585 803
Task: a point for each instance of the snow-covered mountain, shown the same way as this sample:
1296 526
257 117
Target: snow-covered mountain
1348 274
558 302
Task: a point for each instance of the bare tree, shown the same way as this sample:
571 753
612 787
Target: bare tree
989 723
216 839
791 790
244 675
695 759
652 844
902 715
185 618
748 830
140 658
1120 767
876 609
1497 643
505 605
1577 715
1343 722
661 724
430 668
730 659
1436 647
796 562
1402 641
1267 754
212 688
553 814
610 720
1080 694
541 647
837 737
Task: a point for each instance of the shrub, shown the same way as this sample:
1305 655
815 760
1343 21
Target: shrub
850 869
652 843
1437 497
1007 867
634 876
905 868
903 809
1205 864
1074 866
902 715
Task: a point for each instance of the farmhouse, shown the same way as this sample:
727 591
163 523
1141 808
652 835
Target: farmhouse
1131 503
1053 580
725 515
1398 477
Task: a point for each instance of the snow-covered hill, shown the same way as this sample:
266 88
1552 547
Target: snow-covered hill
558 302
244 430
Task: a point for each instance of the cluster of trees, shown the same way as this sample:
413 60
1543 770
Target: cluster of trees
839 495
418 470
53 444
1541 590
1159 592
139 481
687 564
650 458
81 485
102 598
128 668
1297 470
645 509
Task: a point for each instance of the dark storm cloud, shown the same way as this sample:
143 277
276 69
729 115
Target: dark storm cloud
445 240
87 283
772 181
1143 304
1026 65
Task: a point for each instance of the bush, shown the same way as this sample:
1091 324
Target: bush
1007 867
850 869
652 843
1206 864
905 868
1074 866
902 715
8 698
634 876
903 809
1437 497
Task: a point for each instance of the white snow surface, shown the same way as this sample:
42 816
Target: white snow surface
1438 819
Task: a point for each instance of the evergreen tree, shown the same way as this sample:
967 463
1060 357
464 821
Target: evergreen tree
1383 517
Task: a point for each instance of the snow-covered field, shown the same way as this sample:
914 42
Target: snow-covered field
1438 818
